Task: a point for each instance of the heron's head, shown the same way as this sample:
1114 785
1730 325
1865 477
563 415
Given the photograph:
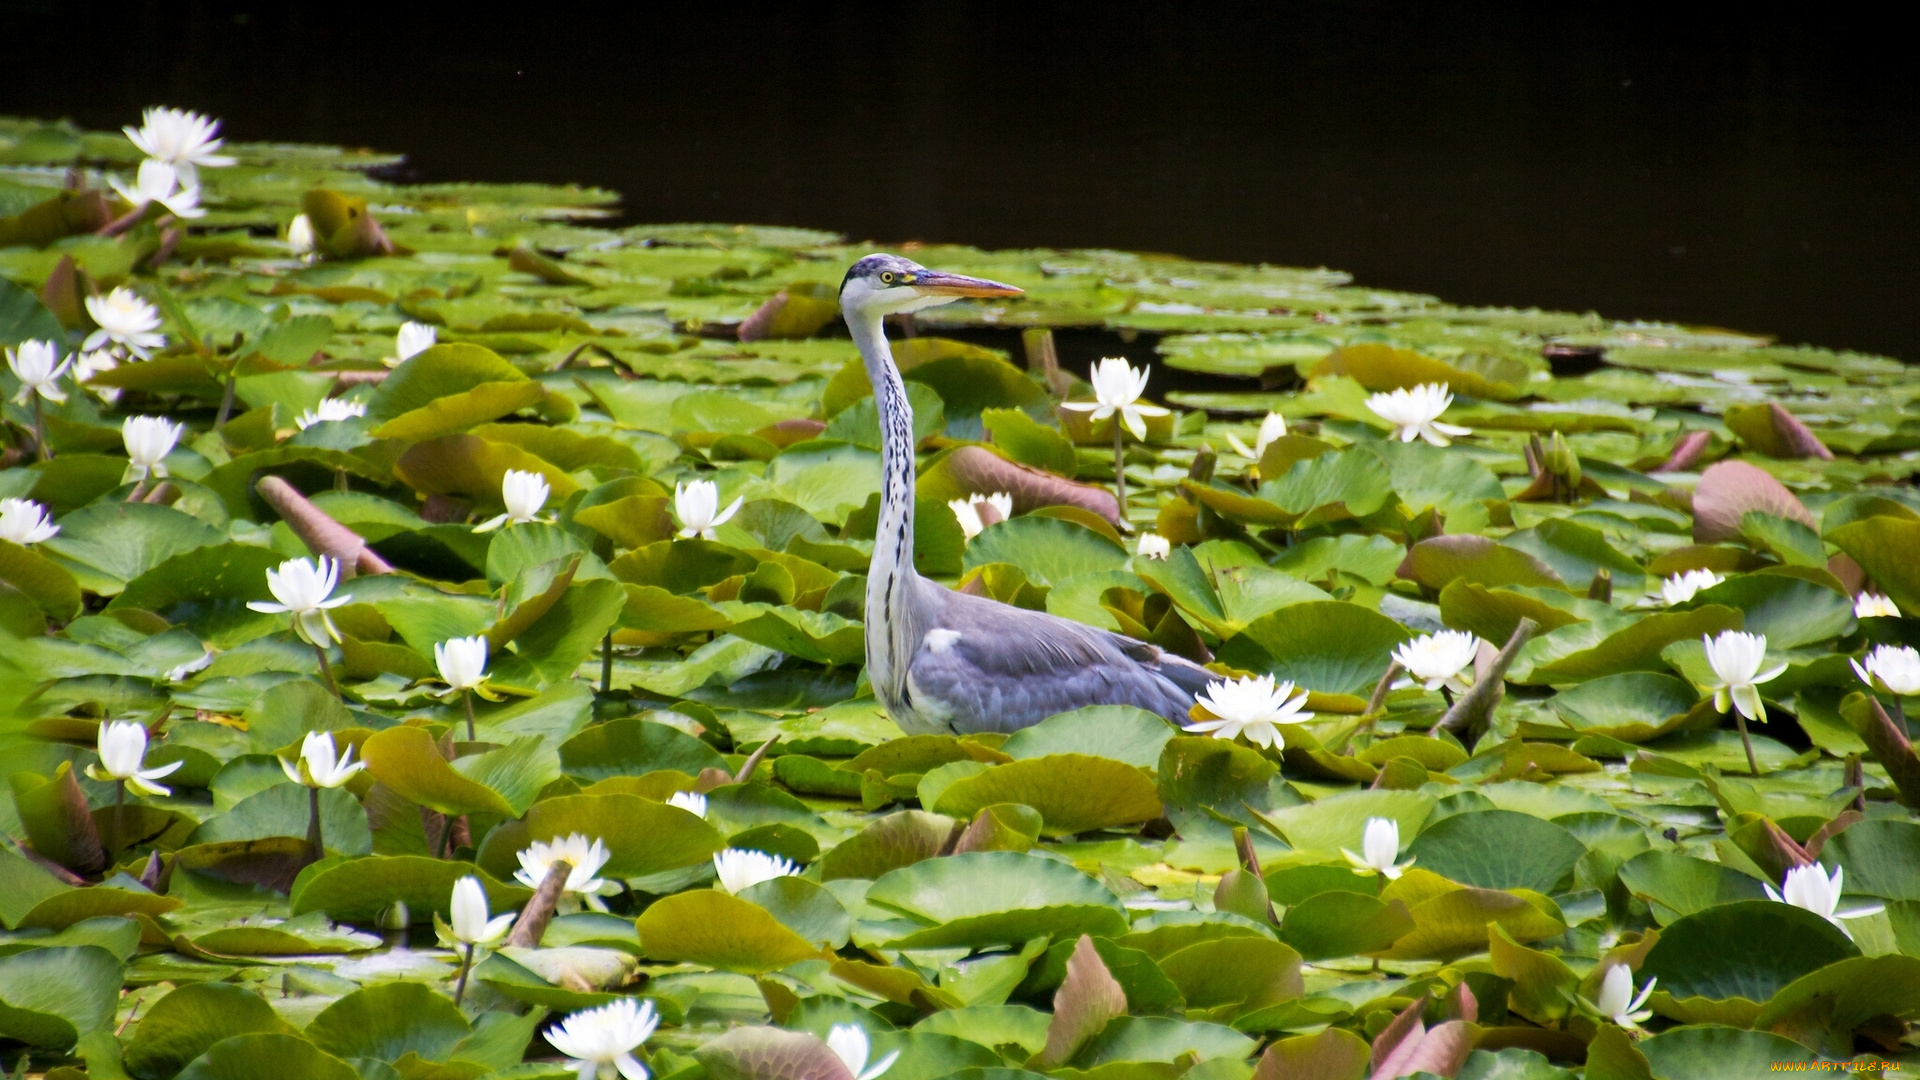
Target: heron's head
891 285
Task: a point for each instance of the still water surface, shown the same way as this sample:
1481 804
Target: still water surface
1753 167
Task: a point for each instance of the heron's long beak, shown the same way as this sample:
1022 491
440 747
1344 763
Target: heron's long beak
940 283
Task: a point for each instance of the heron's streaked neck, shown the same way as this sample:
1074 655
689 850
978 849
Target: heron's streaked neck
891 636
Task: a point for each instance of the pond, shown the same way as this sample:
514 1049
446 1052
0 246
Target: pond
449 629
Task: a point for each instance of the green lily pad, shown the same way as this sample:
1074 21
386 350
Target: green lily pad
356 890
388 1021
1327 925
51 997
242 1057
1117 732
1498 849
190 1020
1711 1052
1073 792
709 927
995 897
1330 646
1747 950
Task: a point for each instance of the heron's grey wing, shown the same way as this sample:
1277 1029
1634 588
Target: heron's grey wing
988 666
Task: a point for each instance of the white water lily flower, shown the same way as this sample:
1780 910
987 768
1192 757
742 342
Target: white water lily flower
849 1043
1440 659
524 493
1736 657
300 234
331 410
1117 387
691 801
1154 546
414 338
1254 706
23 522
586 857
1810 888
601 1041
462 662
1894 670
1875 606
180 138
179 672
1617 1001
974 511
126 320
89 364
38 366
1379 845
303 589
695 503
470 923
739 868
123 755
149 439
1680 588
1415 413
159 182
321 765
1271 428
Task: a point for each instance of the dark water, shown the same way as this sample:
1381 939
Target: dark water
1754 167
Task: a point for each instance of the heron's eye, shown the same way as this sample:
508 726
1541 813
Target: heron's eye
886 277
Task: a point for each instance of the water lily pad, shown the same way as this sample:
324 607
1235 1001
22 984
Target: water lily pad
50 997
1675 885
1073 792
1327 925
389 1020
709 927
1711 1052
242 1057
643 836
1498 849
1117 732
504 781
356 890
1747 950
1330 646
630 746
1633 706
1050 550
191 1019
1006 897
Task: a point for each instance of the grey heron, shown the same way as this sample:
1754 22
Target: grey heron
942 661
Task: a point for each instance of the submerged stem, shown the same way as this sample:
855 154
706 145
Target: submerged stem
40 430
316 848
466 965
326 669
1740 722
606 664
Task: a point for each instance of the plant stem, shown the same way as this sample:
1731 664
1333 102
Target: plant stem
1446 694
326 669
315 846
40 430
1900 715
1740 722
119 807
1119 469
226 400
606 664
466 698
466 965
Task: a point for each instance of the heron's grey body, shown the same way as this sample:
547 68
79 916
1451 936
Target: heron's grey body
947 662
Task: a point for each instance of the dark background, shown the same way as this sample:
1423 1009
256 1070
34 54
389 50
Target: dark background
1752 167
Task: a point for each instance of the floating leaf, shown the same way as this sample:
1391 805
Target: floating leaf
712 928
